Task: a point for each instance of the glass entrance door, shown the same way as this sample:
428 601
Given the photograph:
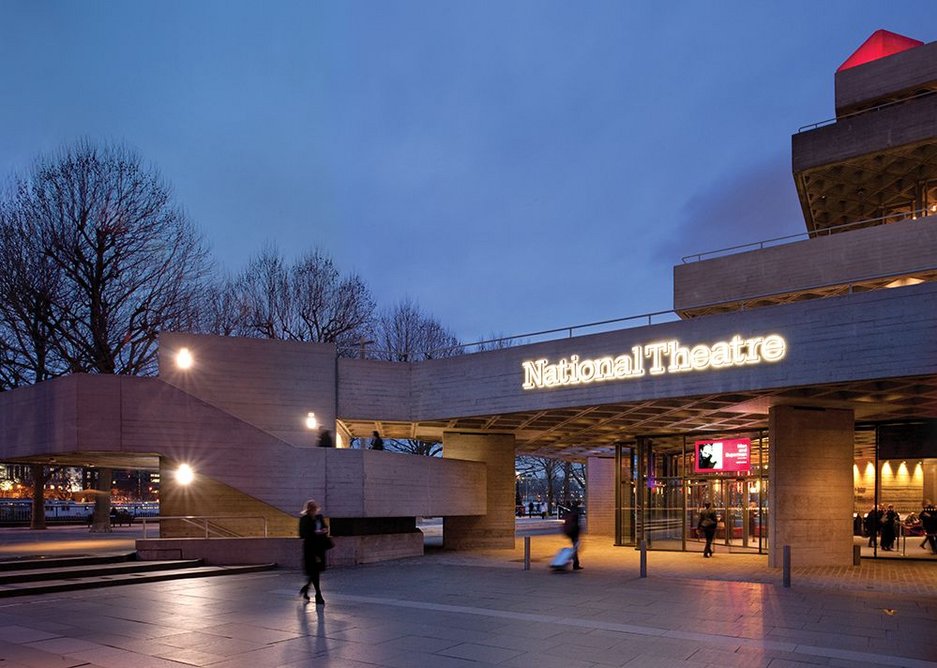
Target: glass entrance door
661 494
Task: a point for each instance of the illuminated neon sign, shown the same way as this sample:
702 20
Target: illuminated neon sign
660 357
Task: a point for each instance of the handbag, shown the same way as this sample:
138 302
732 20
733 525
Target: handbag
327 542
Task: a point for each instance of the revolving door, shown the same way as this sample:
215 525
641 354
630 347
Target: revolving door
663 481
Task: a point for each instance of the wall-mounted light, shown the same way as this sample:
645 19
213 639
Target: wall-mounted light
311 422
184 359
184 474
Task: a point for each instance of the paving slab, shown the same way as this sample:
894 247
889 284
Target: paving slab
482 608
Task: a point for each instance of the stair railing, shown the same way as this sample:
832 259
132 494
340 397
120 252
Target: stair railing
208 524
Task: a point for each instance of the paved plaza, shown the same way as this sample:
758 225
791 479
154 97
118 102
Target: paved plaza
484 609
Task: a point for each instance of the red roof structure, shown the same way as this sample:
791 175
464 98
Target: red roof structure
882 43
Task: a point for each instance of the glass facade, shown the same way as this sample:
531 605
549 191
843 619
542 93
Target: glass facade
894 475
661 489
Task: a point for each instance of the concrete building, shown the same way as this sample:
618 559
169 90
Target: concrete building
793 367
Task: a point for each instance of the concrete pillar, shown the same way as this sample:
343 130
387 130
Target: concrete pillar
810 490
495 529
101 522
600 497
38 474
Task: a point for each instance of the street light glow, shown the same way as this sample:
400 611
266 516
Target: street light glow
184 474
311 422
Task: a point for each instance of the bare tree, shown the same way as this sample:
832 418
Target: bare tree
414 446
497 341
404 333
113 261
30 287
223 311
545 468
308 300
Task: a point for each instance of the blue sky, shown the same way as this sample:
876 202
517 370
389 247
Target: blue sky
511 166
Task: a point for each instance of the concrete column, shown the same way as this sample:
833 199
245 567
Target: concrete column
600 497
101 522
495 528
810 490
39 477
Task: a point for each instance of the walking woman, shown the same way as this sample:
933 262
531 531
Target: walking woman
708 520
315 534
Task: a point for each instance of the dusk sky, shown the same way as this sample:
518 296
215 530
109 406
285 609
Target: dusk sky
510 166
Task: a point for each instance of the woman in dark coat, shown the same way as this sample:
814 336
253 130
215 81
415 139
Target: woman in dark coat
889 522
708 520
314 531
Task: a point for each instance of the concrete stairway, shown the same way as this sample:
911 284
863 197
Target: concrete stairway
41 576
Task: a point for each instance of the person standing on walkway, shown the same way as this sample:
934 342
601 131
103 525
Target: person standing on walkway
873 522
377 443
708 520
929 522
314 531
571 530
889 522
325 439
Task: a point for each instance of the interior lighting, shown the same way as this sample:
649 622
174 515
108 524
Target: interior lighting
311 422
904 282
184 359
184 474
903 471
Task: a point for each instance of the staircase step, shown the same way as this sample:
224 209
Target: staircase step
36 563
93 582
52 572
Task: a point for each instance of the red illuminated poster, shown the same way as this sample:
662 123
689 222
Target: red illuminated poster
731 454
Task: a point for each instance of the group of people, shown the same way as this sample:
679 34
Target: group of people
881 525
534 508
325 440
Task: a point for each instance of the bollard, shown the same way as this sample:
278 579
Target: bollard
526 553
856 555
787 566
643 548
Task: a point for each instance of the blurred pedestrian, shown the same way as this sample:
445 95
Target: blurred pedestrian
929 522
325 439
872 524
571 530
377 443
314 531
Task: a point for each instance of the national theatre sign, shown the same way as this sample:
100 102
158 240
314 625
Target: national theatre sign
658 358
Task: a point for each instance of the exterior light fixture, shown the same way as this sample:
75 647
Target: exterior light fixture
184 359
311 422
184 474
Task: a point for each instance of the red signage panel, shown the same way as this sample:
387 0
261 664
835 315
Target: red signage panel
728 454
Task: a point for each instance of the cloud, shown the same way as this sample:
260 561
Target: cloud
748 206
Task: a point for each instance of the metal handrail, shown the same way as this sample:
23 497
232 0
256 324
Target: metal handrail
790 238
205 521
740 300
648 318
853 114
